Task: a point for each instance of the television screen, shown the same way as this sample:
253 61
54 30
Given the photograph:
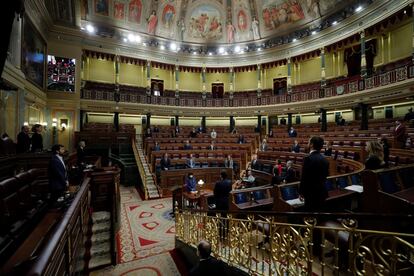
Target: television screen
60 74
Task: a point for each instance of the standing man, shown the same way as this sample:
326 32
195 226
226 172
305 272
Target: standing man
221 192
399 135
315 170
37 139
23 140
292 132
58 177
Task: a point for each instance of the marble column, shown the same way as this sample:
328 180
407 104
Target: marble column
324 123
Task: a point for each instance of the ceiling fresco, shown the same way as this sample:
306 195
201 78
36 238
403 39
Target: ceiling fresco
209 21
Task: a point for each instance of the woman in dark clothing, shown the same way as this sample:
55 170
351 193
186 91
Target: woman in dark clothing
375 158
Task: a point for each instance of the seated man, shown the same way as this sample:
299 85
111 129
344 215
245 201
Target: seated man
296 147
254 164
212 146
165 162
187 145
157 147
213 134
263 146
241 139
290 173
191 161
228 162
193 133
292 132
190 183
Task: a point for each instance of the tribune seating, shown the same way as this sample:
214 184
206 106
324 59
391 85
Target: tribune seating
389 190
23 200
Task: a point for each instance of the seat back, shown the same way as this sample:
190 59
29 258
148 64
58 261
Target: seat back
388 182
289 192
240 198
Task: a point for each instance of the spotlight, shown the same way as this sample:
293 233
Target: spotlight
221 50
131 37
173 46
334 23
138 38
194 53
358 9
210 53
259 49
294 40
125 39
144 44
90 29
237 49
313 32
162 47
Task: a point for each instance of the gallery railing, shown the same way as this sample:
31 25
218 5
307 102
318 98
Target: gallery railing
303 243
300 93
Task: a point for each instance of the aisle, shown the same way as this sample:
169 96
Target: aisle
146 237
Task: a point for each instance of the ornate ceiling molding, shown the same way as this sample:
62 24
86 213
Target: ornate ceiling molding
376 12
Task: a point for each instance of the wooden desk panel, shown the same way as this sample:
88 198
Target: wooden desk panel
173 178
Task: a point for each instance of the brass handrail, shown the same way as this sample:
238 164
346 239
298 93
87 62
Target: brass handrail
300 243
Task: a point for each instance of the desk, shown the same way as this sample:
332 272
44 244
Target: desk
407 194
255 203
200 199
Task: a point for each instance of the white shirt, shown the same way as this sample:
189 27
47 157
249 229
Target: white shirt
61 160
213 134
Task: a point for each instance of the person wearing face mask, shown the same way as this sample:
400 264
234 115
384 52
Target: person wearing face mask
190 182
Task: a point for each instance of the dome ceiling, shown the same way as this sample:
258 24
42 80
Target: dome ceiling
210 21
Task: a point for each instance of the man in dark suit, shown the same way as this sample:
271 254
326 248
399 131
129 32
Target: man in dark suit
314 173
187 145
399 135
296 147
290 172
292 132
221 192
207 265
58 178
23 140
254 164
165 162
81 153
37 139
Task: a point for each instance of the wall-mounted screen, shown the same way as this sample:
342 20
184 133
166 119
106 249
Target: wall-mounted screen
61 74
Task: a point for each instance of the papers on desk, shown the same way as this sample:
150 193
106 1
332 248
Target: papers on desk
355 188
295 202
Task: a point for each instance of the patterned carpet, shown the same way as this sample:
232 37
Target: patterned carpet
161 264
146 226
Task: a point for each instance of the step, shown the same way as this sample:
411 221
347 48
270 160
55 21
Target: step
100 237
101 227
100 260
101 216
99 249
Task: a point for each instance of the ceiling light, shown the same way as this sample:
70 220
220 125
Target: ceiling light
82 28
162 47
241 52
210 53
131 37
358 9
259 49
173 46
294 40
237 49
144 44
90 28
194 53
224 54
138 38
221 50
405 11
125 39
313 32
334 23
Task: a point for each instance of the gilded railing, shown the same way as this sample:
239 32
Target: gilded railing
268 245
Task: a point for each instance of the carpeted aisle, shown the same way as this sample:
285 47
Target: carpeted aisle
157 265
146 226
146 238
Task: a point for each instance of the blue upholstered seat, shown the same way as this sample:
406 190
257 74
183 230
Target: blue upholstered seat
388 182
240 198
342 182
259 195
290 192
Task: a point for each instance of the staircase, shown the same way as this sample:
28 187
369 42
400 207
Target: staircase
126 159
148 180
100 240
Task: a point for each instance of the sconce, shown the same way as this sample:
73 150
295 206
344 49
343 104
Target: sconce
44 124
26 124
62 127
54 123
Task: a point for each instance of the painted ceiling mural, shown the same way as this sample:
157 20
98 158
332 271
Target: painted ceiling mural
209 21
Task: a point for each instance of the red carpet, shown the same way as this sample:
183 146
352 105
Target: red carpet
146 226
